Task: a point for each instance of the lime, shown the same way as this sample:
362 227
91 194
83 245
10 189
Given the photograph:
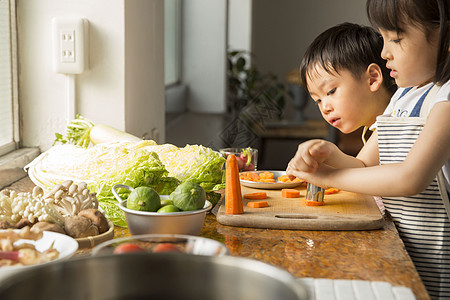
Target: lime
168 208
188 196
166 202
144 199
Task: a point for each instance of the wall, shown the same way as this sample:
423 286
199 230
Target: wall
124 85
282 30
204 43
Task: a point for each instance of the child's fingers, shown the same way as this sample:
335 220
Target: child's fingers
303 163
296 174
320 151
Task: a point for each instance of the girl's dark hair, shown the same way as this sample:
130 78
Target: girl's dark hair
349 47
393 15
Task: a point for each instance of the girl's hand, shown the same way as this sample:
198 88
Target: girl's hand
309 154
319 177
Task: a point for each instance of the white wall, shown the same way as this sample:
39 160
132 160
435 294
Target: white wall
240 24
124 85
204 28
283 29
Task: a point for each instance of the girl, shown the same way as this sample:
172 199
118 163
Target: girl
412 141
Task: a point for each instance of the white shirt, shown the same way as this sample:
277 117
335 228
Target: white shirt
402 108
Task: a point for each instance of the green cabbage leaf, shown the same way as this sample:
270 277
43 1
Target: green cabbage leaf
143 163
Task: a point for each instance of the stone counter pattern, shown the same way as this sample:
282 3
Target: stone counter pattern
376 255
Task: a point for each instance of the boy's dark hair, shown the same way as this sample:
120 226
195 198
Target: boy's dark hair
392 15
349 47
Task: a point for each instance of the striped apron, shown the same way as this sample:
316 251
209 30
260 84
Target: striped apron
422 220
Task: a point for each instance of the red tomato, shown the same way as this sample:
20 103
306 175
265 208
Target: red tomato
127 247
164 247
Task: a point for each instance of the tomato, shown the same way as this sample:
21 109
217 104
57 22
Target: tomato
165 247
127 247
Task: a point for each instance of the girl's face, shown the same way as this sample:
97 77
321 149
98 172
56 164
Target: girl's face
410 55
344 101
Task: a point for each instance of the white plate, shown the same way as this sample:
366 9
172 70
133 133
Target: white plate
65 245
270 185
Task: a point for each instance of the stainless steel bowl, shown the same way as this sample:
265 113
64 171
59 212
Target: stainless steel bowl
184 243
154 276
142 222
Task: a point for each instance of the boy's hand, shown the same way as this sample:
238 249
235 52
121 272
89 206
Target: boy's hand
308 156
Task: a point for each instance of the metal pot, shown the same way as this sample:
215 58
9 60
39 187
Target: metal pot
154 276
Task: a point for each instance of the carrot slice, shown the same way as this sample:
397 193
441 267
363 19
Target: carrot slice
257 204
332 191
252 176
290 193
233 195
285 178
314 203
266 175
256 196
270 180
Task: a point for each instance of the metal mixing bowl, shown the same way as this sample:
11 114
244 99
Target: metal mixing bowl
154 276
143 222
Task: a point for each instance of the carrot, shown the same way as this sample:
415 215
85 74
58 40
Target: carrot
257 204
332 191
256 196
233 195
266 175
314 203
251 176
285 178
290 193
267 180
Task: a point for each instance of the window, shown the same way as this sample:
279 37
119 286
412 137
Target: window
8 82
171 41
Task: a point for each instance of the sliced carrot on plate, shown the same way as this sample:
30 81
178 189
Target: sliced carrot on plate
266 175
257 204
270 180
256 196
290 193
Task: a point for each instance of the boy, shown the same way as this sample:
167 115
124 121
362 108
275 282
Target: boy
351 83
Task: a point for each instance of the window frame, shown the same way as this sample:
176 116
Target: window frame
9 147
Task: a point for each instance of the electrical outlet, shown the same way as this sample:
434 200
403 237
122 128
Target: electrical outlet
70 45
67 46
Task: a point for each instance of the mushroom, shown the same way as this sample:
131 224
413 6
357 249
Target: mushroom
37 191
97 218
70 198
46 226
79 226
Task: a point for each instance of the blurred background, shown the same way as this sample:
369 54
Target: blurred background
221 73
254 99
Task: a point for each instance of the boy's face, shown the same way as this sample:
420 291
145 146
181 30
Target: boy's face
344 101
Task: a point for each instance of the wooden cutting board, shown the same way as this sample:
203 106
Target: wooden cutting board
342 211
